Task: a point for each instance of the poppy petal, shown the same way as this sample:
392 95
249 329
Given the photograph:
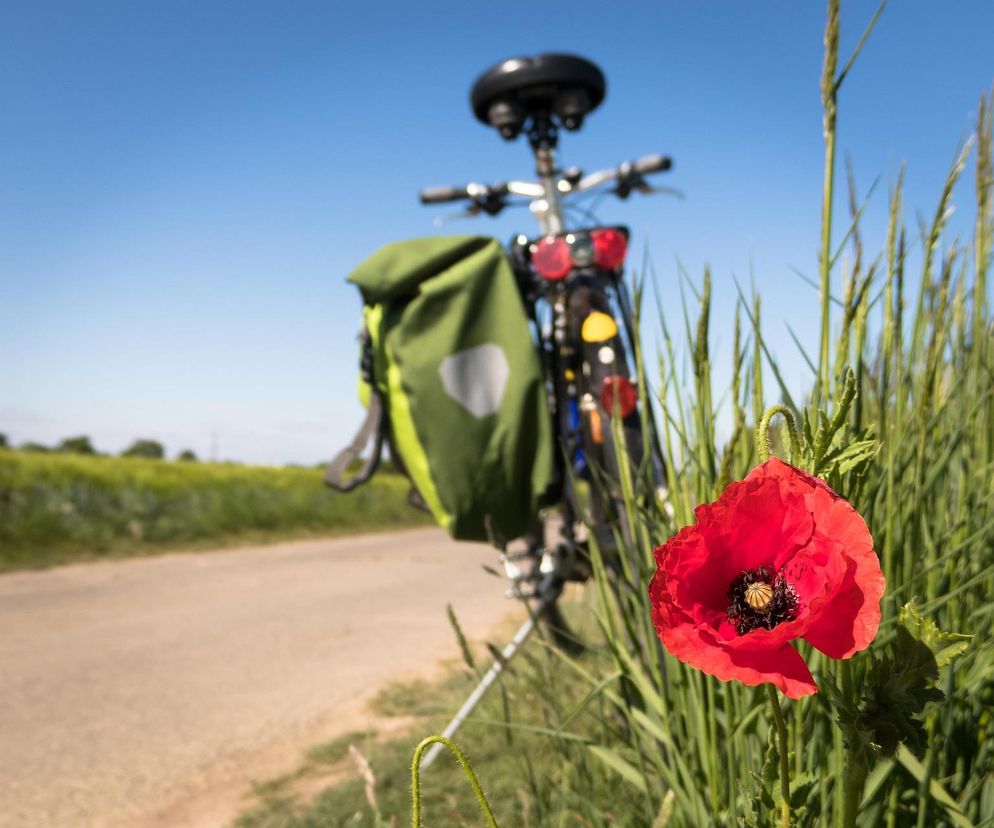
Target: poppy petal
782 667
752 525
850 620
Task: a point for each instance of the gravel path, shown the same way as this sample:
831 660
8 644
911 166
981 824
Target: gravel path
150 692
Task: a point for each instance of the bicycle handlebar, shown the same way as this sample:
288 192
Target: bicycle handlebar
478 192
623 174
651 164
440 195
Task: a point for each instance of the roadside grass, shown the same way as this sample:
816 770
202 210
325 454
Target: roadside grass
60 508
531 769
331 752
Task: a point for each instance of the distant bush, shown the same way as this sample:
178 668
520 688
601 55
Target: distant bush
150 449
187 456
76 445
3 441
37 448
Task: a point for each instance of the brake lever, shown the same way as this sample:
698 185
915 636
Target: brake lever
649 189
627 183
469 212
636 183
490 203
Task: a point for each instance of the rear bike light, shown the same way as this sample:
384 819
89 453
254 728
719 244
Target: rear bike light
551 259
618 389
610 247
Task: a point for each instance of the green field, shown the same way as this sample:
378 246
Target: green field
56 508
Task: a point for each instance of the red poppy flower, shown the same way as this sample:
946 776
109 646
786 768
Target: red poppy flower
778 556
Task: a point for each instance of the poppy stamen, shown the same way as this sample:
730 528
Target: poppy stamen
760 598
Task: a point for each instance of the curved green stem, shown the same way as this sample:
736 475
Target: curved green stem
781 731
467 769
763 447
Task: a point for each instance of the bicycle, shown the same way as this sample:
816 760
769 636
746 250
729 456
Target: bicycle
574 293
571 283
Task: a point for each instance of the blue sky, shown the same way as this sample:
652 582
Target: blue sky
186 185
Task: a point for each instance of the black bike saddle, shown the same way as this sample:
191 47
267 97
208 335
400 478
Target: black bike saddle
508 94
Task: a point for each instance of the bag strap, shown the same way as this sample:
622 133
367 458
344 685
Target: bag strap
370 429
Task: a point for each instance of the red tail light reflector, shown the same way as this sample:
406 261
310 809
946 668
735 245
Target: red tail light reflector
551 259
610 247
621 389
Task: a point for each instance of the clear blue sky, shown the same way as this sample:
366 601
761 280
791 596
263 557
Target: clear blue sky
184 186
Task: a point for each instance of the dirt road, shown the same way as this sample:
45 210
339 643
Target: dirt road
150 692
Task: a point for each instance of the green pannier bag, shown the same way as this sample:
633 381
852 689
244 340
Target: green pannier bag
453 383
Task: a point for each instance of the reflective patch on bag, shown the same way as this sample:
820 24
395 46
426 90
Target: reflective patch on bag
476 378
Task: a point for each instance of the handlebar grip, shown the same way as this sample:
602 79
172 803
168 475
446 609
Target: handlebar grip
439 195
651 164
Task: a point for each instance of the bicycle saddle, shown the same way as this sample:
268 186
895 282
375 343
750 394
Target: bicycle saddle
516 90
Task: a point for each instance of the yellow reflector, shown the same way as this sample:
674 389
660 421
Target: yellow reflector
570 376
598 327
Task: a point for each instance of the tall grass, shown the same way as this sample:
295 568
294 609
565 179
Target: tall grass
900 421
57 507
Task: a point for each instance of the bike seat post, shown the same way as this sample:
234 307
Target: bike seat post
549 211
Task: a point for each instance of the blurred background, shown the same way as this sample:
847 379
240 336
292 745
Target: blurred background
185 186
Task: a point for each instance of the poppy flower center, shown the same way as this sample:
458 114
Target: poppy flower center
760 598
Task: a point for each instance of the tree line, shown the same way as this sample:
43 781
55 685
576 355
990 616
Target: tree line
81 444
